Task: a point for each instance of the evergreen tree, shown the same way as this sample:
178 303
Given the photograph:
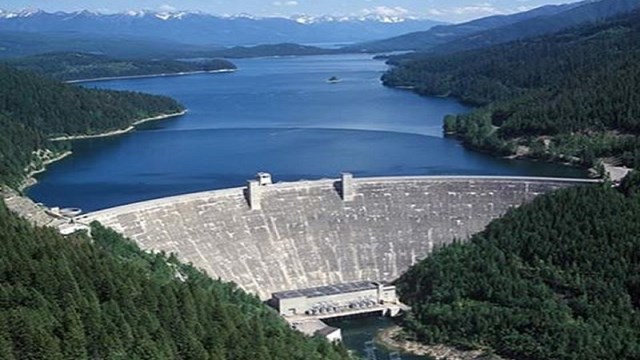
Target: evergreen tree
577 91
553 279
107 299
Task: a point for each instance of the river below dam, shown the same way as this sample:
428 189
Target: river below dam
359 336
278 115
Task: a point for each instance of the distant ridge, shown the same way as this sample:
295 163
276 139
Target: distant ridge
20 43
80 66
444 33
206 29
503 28
587 12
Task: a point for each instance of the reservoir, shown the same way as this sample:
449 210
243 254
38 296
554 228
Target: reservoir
278 115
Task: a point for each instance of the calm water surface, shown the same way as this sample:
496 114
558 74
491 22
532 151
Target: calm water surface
358 331
278 115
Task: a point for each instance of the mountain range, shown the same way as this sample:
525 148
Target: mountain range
174 35
499 29
199 28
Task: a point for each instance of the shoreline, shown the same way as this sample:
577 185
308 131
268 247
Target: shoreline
121 131
130 77
523 154
387 338
615 172
29 180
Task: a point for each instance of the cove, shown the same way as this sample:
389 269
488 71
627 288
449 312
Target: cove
274 114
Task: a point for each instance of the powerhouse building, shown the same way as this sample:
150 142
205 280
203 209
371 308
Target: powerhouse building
333 300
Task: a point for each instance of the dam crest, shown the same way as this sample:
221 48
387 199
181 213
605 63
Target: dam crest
277 237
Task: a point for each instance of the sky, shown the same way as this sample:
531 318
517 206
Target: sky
448 10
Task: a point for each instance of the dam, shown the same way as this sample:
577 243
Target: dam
270 238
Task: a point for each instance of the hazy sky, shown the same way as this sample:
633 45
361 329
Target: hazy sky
448 10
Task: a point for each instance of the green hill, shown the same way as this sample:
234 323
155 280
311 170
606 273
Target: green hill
283 49
577 14
442 34
75 66
34 108
498 29
569 96
556 279
24 43
76 298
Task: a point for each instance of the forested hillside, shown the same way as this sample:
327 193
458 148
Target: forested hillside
442 34
72 298
573 96
23 43
499 29
75 65
556 279
581 13
283 49
34 108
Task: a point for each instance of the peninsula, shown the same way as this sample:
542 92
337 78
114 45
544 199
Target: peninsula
44 157
128 77
63 111
79 67
120 131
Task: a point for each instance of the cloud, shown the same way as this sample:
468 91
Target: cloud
524 8
167 8
467 12
478 9
285 3
396 11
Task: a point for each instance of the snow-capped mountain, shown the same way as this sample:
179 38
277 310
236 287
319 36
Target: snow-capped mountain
203 28
307 19
19 14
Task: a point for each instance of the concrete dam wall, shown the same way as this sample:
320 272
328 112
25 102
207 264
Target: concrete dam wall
313 233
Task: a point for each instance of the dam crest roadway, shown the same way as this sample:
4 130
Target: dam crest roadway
271 238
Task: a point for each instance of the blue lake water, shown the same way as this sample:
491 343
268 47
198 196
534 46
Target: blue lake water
278 115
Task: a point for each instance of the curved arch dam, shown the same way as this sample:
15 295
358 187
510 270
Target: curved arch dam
314 233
